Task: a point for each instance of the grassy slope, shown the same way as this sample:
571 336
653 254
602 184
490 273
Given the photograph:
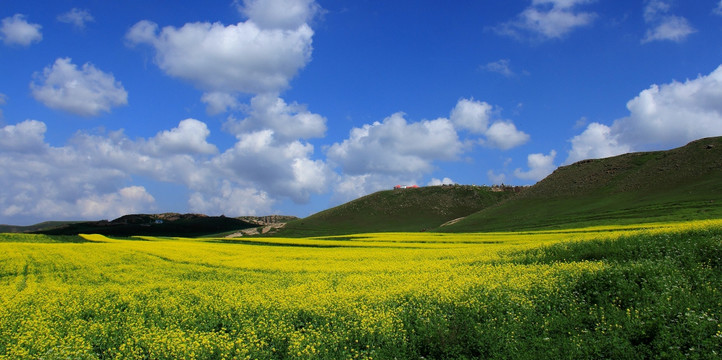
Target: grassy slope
679 184
397 210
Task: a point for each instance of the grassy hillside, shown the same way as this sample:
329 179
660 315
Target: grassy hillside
416 209
679 184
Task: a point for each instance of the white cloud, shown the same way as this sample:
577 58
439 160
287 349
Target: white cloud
282 168
27 136
231 200
288 122
188 138
379 155
664 26
76 17
128 200
471 115
279 14
718 9
500 67
474 116
444 181
235 58
85 92
504 135
662 116
395 147
597 141
16 30
540 166
548 19
41 181
675 113
219 102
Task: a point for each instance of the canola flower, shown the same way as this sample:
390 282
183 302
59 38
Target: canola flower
363 296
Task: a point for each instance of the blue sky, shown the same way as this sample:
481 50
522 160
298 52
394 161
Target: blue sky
256 107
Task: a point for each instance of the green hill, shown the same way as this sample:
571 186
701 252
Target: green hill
674 185
412 209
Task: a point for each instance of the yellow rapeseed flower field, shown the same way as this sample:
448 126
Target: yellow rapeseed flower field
361 296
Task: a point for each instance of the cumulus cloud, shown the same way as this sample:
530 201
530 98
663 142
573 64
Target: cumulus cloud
128 200
663 25
548 19
540 166
16 30
471 115
474 116
288 121
504 135
40 181
597 141
661 116
231 59
86 91
282 168
395 146
279 14
188 138
27 136
230 199
396 151
76 180
76 17
219 102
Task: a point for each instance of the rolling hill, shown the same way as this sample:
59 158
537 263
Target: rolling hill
674 185
412 209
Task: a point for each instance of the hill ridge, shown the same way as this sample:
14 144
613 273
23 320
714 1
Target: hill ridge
410 209
682 183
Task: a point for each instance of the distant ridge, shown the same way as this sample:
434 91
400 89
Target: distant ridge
45 225
679 184
166 224
410 209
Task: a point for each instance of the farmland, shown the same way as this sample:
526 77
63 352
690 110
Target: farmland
641 291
